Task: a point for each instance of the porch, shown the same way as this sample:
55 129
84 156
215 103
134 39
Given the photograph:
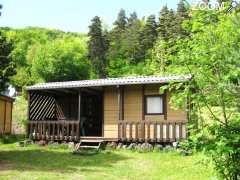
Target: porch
150 131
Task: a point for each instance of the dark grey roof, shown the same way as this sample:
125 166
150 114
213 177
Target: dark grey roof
112 81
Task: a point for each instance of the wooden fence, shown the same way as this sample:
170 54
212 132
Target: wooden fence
54 130
152 131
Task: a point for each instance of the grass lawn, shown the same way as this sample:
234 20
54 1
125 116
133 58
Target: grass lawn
34 162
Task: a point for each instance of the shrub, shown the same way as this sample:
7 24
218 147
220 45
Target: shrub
8 139
224 149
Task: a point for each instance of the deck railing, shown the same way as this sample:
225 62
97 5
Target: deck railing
152 131
54 130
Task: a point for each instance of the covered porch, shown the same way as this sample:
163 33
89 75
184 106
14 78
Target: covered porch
65 113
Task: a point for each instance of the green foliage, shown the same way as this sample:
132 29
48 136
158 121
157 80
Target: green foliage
61 60
25 45
97 46
7 66
149 33
224 149
211 55
19 115
9 139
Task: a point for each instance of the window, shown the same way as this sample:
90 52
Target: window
153 105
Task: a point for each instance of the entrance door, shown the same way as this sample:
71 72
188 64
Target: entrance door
92 114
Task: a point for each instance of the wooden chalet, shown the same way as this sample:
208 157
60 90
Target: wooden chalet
117 109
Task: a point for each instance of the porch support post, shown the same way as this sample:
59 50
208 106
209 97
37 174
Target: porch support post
79 104
28 112
165 103
143 102
120 103
79 113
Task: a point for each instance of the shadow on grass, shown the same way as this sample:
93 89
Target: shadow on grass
55 161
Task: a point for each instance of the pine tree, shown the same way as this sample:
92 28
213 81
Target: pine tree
121 22
7 66
182 15
97 46
149 33
133 17
163 22
182 11
130 42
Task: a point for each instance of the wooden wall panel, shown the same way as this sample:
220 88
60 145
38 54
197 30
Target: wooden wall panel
8 120
110 112
5 115
176 115
133 103
2 116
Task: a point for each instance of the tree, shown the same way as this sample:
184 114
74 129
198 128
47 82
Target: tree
182 15
212 56
131 49
121 22
25 42
63 59
164 23
7 66
97 46
149 33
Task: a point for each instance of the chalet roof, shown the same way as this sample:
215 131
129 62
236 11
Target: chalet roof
112 81
6 98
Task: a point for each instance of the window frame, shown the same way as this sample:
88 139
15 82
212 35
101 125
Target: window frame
163 104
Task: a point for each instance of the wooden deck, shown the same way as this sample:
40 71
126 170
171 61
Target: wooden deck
150 131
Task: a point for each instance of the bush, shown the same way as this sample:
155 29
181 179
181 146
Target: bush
224 149
8 139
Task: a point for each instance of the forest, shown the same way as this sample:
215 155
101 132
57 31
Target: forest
133 46
204 43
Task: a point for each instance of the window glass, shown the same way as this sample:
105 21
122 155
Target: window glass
154 105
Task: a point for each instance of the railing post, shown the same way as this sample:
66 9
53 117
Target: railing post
148 131
174 131
180 131
161 132
130 129
119 130
143 130
77 133
167 132
136 131
155 132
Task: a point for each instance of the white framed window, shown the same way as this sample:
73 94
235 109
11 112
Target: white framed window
154 105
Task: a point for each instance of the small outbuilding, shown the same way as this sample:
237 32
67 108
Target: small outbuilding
6 105
116 109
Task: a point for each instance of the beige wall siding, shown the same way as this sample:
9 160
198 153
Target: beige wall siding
133 108
5 116
133 103
8 117
2 116
110 112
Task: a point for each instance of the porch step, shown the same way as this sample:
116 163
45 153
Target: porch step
89 147
89 144
92 141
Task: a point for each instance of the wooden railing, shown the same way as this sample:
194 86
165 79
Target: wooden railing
54 130
151 131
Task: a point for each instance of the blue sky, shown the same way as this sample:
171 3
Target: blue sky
73 15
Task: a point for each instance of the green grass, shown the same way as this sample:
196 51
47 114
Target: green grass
35 162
